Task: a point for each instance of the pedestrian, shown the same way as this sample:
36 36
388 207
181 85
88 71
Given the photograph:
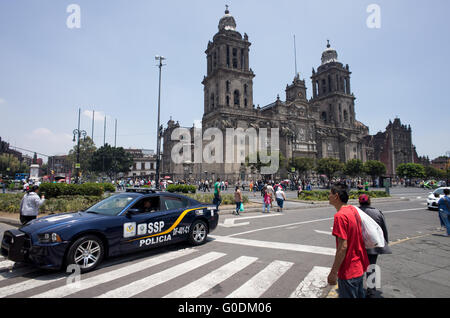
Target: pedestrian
372 253
217 198
281 196
444 210
299 190
267 200
272 194
237 199
29 206
351 261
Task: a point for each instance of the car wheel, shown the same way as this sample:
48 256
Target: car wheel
86 252
198 233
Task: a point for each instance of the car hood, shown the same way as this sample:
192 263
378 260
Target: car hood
52 222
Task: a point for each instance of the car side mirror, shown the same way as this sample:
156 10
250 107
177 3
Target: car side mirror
436 195
133 211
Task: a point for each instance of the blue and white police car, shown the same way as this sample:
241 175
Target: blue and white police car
123 223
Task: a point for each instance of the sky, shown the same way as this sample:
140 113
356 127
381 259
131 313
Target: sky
50 69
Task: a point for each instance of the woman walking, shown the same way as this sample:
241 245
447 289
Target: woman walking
267 200
237 199
29 206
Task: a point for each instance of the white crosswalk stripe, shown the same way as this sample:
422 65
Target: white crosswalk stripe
207 282
235 270
30 284
313 284
142 285
262 281
112 275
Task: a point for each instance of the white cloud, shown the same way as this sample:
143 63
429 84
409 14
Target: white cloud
45 141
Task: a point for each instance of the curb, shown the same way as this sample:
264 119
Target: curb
10 221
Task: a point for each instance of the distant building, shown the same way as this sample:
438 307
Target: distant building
394 146
442 162
144 163
60 165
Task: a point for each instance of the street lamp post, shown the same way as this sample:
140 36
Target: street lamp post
158 128
78 132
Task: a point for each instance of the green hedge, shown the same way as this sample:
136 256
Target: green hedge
181 188
54 190
323 195
11 203
227 199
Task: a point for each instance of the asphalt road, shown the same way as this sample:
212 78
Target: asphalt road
259 255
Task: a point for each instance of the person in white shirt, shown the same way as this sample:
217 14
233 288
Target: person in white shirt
29 206
280 196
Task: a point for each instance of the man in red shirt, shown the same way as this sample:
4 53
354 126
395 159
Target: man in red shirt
351 261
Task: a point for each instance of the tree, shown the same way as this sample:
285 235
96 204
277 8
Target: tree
354 168
329 167
374 169
87 150
111 160
302 165
10 165
411 170
432 173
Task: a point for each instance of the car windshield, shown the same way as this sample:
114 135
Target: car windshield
439 191
111 206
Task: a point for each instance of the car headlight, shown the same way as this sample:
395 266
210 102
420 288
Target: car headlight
49 238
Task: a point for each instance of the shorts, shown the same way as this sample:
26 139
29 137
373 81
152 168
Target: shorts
280 202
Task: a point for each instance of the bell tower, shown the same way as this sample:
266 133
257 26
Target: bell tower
229 80
331 90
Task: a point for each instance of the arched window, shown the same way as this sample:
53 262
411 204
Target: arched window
228 86
236 98
228 100
245 89
323 116
345 115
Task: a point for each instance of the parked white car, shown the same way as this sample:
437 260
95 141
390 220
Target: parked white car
433 198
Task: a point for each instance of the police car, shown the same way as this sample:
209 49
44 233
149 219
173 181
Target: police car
123 223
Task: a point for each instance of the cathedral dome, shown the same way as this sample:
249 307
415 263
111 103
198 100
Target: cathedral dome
227 22
329 55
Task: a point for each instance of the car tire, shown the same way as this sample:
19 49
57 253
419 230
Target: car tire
87 252
198 233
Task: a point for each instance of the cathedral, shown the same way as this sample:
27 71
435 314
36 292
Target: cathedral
324 126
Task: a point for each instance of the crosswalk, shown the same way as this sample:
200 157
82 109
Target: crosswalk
200 271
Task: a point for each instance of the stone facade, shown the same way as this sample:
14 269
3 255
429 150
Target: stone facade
320 127
393 146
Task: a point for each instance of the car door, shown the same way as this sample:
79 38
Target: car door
144 227
177 213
